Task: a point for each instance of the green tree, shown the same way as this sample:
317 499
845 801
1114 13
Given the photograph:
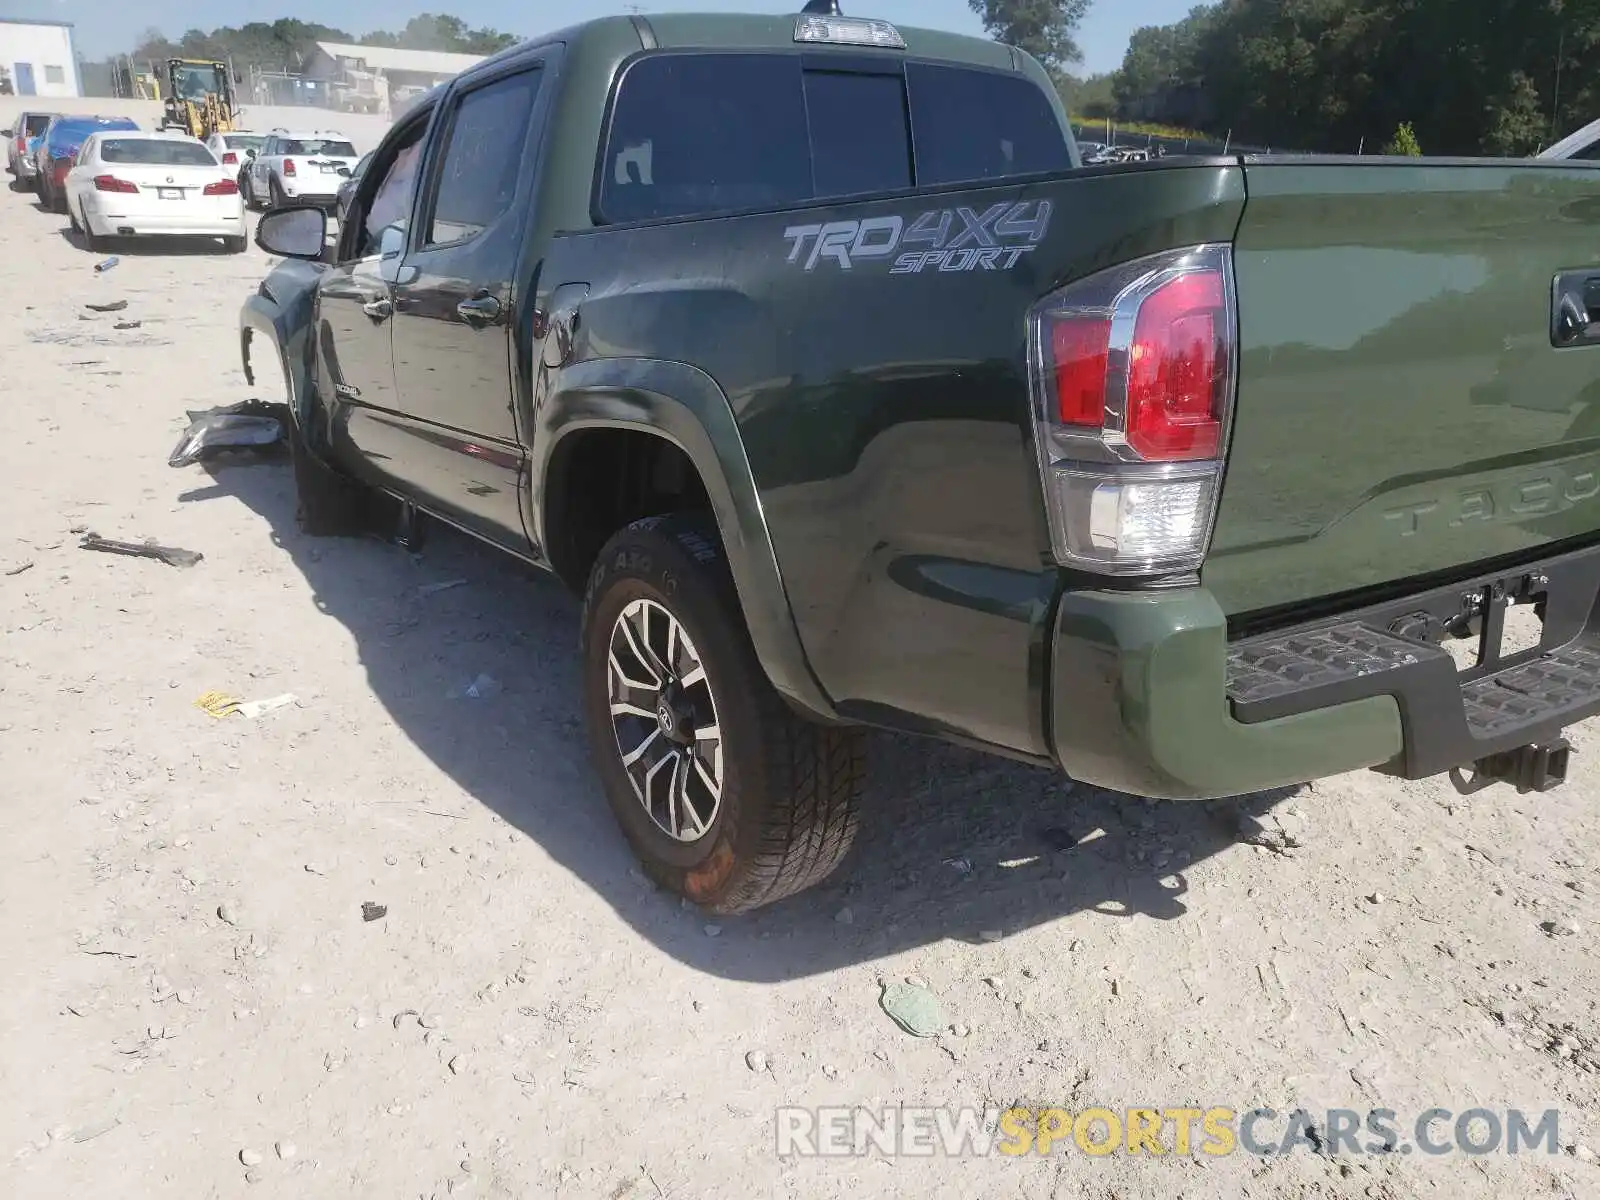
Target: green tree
1404 142
1046 29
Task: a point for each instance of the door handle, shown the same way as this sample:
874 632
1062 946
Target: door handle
380 309
479 310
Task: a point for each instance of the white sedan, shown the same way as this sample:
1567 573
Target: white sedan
136 184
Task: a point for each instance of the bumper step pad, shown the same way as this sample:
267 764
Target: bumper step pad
1566 680
1262 671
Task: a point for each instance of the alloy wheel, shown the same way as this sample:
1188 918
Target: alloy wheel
664 715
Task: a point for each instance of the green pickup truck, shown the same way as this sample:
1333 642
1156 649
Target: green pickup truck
808 352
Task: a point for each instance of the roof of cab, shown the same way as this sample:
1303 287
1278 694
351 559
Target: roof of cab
747 31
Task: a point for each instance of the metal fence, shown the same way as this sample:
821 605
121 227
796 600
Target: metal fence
1108 134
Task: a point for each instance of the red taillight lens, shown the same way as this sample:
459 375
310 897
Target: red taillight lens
110 183
1175 370
1079 351
288 166
230 159
222 187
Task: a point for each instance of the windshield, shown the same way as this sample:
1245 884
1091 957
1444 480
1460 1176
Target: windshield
243 141
160 151
316 146
193 82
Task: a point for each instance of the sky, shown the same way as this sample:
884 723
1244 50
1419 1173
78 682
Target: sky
104 27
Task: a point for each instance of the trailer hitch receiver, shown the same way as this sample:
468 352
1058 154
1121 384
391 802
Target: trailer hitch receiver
1540 768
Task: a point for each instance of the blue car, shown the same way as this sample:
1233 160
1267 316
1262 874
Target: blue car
53 158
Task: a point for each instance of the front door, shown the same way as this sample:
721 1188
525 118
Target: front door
454 306
355 311
25 79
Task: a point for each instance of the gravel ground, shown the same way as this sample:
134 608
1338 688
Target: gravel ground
191 998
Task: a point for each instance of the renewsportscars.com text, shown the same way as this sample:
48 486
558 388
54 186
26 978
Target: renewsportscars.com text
1156 1132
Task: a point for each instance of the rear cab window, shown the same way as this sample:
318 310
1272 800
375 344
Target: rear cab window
694 133
35 124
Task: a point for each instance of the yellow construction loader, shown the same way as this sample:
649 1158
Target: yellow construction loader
199 97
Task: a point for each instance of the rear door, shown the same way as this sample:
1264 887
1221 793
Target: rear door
455 299
1402 409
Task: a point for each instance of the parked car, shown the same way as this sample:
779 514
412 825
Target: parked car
842 400
22 139
153 185
235 148
58 144
298 166
352 179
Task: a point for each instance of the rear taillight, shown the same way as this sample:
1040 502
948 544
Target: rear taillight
22 145
288 166
1133 381
110 183
222 187
230 159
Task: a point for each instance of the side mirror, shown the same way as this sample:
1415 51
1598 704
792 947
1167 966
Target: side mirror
345 171
294 231
5 133
249 153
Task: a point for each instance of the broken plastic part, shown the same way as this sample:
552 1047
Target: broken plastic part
248 425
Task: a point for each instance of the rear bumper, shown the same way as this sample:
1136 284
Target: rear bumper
1149 696
146 224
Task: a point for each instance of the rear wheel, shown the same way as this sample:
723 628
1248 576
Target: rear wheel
727 796
275 191
234 245
90 238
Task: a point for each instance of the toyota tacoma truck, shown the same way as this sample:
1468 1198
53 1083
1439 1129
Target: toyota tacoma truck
807 351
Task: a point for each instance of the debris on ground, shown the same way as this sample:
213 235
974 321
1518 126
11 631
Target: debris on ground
127 325
484 687
961 866
220 704
915 1009
756 1060
431 589
19 568
104 265
173 556
373 912
113 306
249 425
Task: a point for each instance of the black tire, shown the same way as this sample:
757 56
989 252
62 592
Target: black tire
72 220
235 245
275 192
791 789
91 239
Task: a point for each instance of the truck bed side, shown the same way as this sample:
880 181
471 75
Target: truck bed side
880 387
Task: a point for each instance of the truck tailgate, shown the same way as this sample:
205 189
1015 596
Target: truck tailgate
1402 411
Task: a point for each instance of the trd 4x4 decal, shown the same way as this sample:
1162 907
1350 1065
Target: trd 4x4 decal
945 239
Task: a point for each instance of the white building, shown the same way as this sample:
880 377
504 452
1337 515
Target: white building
39 56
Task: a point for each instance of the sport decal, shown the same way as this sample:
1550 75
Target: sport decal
946 239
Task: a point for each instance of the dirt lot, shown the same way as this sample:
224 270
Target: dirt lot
190 998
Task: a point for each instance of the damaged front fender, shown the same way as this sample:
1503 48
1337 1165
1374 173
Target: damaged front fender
275 333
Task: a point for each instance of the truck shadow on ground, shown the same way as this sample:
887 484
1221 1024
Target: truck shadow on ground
955 845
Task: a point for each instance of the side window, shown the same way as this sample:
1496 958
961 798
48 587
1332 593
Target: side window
975 125
483 155
696 133
860 141
387 203
1590 152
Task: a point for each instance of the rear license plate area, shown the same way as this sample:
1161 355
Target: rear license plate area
170 193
